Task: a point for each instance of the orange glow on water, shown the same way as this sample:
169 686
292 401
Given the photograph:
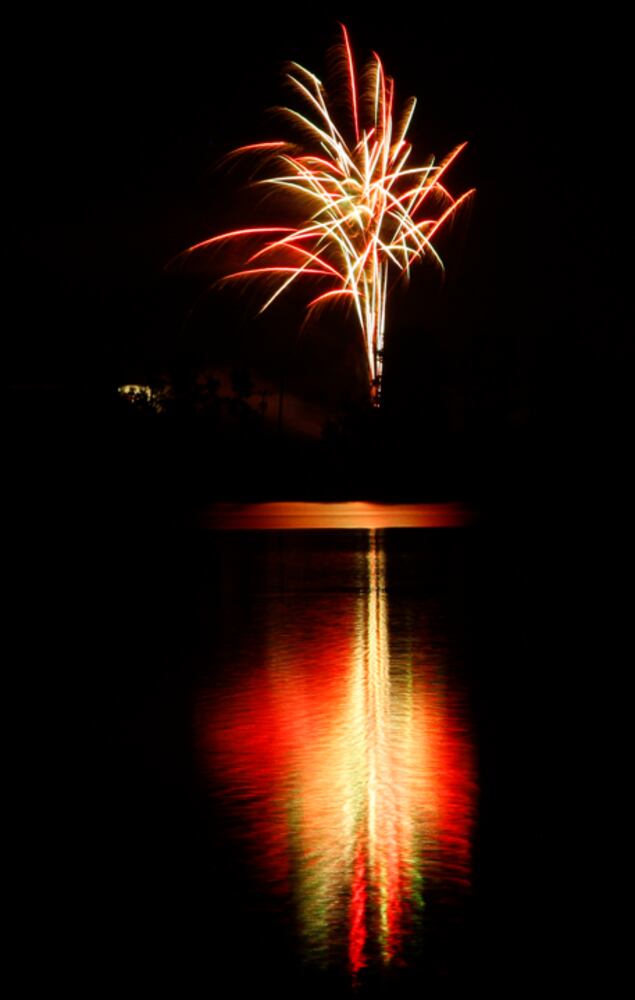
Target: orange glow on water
358 514
351 770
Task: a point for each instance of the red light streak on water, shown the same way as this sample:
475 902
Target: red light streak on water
357 912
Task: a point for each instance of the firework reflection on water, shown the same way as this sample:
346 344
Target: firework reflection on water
344 755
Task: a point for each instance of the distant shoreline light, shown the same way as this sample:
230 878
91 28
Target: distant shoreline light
289 515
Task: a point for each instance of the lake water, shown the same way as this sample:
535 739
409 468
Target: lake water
353 760
335 739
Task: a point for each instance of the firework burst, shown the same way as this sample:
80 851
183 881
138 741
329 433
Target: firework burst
366 210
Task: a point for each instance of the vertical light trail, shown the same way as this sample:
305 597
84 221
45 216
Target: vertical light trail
383 860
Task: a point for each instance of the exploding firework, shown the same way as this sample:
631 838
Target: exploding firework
366 210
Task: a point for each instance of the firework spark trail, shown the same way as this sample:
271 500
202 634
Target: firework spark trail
362 201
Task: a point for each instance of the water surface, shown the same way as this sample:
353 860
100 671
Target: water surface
334 734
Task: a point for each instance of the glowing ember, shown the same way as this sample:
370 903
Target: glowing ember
364 207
